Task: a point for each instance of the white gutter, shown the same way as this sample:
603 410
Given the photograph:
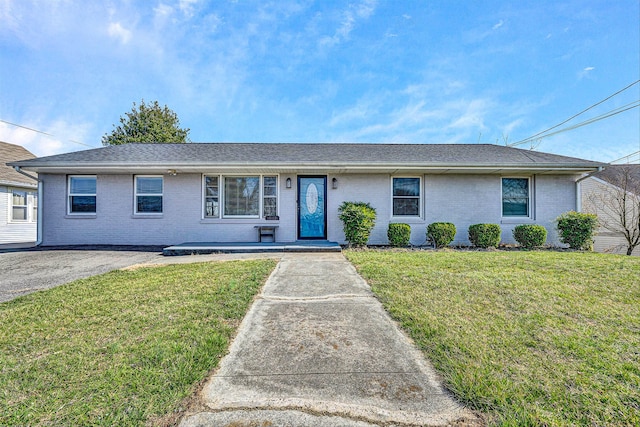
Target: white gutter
39 219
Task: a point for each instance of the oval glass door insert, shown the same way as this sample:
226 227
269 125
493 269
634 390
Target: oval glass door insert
311 198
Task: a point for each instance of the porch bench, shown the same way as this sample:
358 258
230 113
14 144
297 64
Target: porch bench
266 231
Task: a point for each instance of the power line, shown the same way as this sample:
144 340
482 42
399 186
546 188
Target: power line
619 110
44 133
533 137
628 158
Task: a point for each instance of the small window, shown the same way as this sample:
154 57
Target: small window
515 197
34 207
241 196
82 194
148 194
19 206
270 196
211 197
406 196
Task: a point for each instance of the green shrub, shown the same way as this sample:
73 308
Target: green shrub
358 219
442 233
399 234
530 235
576 229
485 235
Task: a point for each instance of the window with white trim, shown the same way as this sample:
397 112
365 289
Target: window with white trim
270 196
34 207
240 196
406 196
23 206
211 197
82 194
516 197
148 194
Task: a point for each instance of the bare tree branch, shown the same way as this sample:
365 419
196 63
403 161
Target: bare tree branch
617 203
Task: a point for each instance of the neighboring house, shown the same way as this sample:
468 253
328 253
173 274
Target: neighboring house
600 193
18 198
161 194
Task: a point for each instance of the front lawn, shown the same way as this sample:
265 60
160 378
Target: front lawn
122 348
530 338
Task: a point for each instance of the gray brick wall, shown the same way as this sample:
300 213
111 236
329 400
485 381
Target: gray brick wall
461 199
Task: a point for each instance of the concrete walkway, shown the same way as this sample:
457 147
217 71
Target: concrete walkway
317 349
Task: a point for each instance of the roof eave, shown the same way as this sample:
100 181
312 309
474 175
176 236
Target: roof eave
110 167
17 184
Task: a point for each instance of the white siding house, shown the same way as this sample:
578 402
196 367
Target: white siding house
18 198
598 194
165 194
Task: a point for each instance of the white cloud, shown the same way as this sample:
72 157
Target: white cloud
163 11
469 114
498 25
586 71
53 143
187 7
362 11
117 31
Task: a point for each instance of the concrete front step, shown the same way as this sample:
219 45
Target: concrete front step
198 248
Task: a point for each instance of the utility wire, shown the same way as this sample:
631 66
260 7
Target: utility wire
619 110
44 133
627 158
533 137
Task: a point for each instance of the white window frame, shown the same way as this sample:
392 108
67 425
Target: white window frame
136 195
529 214
204 196
70 194
31 198
222 196
420 197
263 196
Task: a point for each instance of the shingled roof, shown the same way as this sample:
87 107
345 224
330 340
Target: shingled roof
8 176
296 156
615 174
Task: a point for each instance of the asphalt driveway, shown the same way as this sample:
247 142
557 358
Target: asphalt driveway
23 272
33 269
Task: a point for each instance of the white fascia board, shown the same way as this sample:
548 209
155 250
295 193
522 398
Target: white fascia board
329 167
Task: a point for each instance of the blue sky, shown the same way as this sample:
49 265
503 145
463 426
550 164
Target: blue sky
324 71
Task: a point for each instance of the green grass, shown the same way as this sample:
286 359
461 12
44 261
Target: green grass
529 338
123 348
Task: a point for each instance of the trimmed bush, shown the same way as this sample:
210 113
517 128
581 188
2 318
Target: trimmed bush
442 233
576 229
485 235
530 235
358 219
399 234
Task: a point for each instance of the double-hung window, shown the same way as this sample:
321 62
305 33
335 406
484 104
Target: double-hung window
24 206
406 197
270 196
211 197
515 197
246 196
19 206
82 194
148 194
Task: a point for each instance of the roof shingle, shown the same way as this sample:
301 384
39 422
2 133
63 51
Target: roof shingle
320 154
12 153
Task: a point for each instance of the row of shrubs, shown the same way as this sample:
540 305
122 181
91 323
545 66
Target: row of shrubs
575 229
480 235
